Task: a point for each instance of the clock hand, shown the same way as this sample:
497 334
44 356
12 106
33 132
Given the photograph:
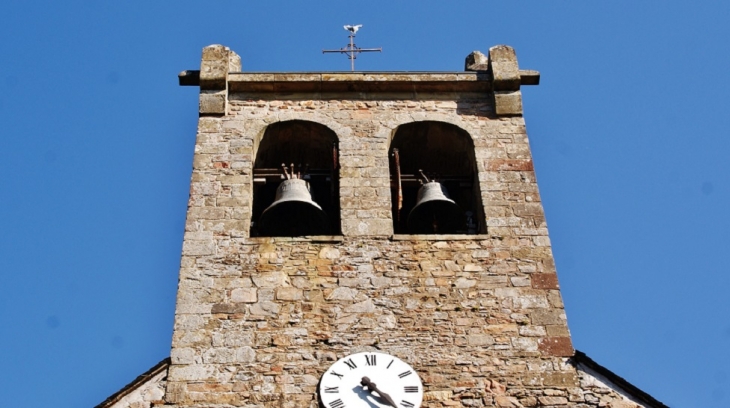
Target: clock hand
372 387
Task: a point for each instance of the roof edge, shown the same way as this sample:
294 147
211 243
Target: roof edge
144 377
581 358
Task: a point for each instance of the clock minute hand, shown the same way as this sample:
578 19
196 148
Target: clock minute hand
372 387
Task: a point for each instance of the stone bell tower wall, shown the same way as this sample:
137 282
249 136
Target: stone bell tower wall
259 319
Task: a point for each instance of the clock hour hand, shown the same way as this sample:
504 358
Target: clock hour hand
372 387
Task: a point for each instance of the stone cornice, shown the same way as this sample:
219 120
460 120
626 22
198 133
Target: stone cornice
358 81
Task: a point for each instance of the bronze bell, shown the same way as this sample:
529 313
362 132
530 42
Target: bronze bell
293 212
435 212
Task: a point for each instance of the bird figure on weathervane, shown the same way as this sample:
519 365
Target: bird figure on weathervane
353 29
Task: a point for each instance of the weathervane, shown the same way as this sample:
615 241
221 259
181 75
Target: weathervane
351 50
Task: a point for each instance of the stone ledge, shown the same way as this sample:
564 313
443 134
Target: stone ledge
310 238
396 237
445 237
192 77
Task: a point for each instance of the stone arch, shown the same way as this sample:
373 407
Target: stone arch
259 131
426 117
313 149
444 152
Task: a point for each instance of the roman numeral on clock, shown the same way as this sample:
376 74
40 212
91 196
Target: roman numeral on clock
370 359
409 388
350 364
404 374
338 403
407 404
338 375
333 390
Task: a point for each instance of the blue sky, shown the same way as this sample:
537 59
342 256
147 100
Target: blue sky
629 130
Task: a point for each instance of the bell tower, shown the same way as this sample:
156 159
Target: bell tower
381 228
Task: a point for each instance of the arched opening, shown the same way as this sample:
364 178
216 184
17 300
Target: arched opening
308 152
422 153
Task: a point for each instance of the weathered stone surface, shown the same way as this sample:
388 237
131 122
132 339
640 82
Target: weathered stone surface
216 62
244 295
547 401
561 379
476 61
213 103
507 402
544 281
289 294
556 346
270 279
508 102
366 306
505 70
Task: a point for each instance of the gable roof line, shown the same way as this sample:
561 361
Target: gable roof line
632 390
578 358
144 377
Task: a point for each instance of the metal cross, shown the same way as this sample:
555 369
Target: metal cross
351 49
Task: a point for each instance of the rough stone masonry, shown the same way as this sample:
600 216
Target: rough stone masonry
480 317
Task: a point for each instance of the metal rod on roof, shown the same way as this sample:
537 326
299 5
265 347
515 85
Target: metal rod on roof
351 50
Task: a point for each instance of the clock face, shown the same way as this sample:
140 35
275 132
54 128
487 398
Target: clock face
390 382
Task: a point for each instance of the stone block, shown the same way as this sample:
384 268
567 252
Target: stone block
560 379
504 401
556 346
552 401
504 67
212 103
557 330
197 372
244 295
265 309
198 248
509 165
532 331
207 213
370 227
366 306
479 340
213 74
342 293
228 308
216 63
520 281
544 281
507 103
476 61
473 268
543 317
463 283
289 294
176 392
328 252
555 299
245 355
270 280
